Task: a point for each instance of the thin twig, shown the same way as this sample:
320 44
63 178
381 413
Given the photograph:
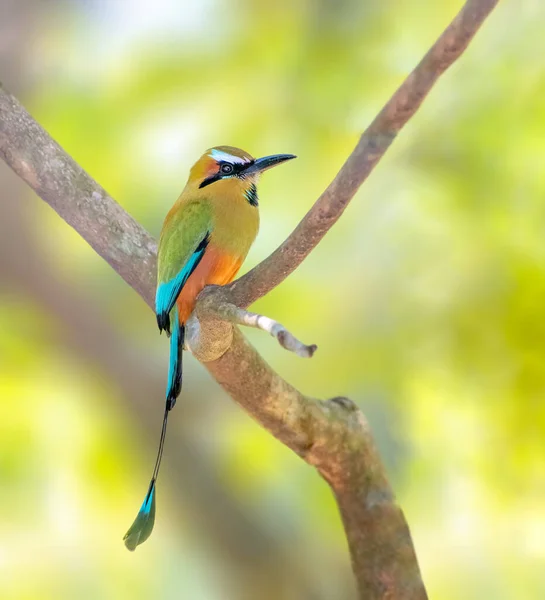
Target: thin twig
240 316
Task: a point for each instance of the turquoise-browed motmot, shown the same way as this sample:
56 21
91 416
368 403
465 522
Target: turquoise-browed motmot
205 239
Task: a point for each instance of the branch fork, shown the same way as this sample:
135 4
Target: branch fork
331 435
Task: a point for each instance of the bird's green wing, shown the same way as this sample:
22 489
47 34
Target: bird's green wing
183 241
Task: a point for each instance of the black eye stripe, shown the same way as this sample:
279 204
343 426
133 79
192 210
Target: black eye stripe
237 171
236 168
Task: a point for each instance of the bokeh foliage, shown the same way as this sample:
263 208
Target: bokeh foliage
425 300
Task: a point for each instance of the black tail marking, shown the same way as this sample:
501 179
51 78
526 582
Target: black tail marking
163 322
176 387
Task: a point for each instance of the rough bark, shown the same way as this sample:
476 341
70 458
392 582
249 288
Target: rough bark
331 435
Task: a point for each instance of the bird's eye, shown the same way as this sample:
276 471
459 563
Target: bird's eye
226 168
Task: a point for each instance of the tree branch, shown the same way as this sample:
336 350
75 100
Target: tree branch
240 316
331 435
335 438
212 308
260 562
56 177
371 147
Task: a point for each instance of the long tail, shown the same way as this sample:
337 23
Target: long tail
142 527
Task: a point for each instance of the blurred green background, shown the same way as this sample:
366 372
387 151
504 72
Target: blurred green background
426 300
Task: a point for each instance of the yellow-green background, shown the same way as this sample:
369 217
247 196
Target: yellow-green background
427 300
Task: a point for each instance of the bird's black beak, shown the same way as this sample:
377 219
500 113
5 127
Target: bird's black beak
262 164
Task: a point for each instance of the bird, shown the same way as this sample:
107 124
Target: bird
204 240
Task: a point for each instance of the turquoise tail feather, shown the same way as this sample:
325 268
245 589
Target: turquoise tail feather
174 382
142 527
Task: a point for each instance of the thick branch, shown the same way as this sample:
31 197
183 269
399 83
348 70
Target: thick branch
56 177
333 435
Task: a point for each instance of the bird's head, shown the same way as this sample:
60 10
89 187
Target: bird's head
225 169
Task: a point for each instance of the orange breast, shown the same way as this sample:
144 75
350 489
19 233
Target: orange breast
216 268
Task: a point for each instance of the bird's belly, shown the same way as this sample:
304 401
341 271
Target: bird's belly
215 268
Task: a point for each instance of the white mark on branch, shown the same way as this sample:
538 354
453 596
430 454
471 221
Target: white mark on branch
239 316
